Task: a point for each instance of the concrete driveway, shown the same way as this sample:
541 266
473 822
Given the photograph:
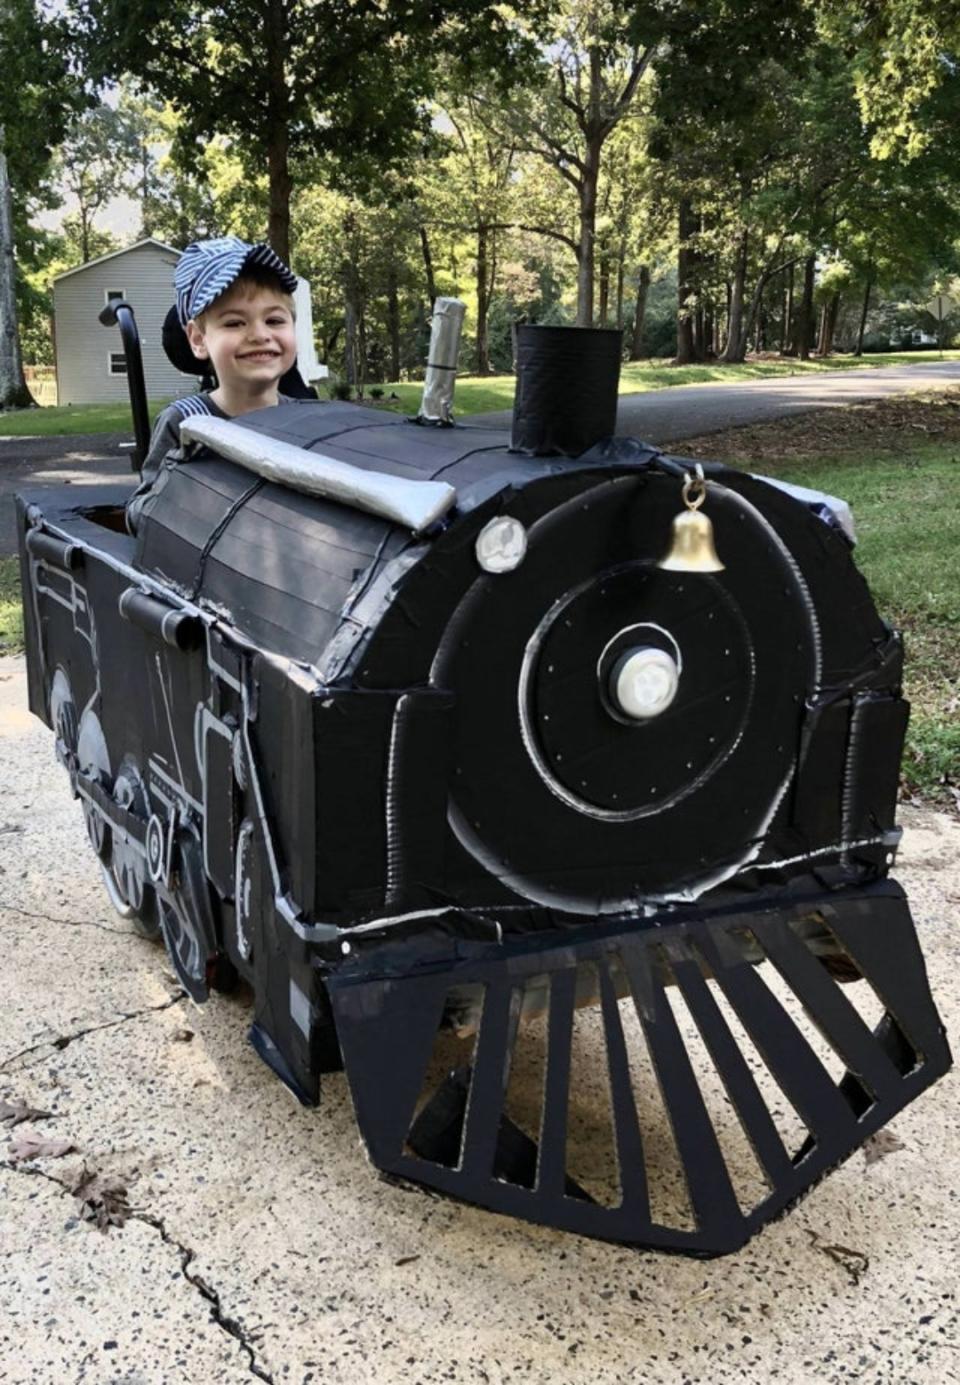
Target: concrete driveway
262 1245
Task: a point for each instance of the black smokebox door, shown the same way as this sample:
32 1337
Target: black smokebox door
567 801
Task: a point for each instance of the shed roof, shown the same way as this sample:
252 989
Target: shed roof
148 240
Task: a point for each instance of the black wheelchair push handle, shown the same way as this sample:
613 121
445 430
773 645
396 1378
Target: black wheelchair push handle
120 314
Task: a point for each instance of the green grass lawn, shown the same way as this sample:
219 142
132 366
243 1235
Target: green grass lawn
11 619
907 513
67 420
897 461
476 394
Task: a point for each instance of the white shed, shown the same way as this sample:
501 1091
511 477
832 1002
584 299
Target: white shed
90 364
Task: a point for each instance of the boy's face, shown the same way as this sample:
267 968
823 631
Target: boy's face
248 335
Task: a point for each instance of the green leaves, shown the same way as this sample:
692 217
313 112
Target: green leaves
41 90
900 52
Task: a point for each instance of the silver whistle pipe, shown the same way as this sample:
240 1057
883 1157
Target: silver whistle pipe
436 406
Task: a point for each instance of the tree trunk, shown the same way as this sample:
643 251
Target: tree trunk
393 321
639 313
603 307
361 354
483 301
145 226
13 387
687 225
352 309
278 131
350 370
759 319
84 233
331 342
428 265
588 223
621 257
863 316
804 323
736 347
492 280
785 335
278 172
833 315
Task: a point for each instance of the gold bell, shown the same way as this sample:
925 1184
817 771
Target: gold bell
691 547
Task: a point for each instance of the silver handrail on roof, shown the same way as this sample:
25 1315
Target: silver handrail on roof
414 504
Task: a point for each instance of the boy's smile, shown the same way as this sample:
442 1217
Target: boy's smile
249 337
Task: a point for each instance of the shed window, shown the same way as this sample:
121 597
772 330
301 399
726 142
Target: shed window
113 295
117 363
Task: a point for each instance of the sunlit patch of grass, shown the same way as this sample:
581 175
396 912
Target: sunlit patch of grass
69 420
11 615
906 505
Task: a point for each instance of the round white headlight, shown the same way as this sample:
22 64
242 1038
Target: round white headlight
644 683
501 544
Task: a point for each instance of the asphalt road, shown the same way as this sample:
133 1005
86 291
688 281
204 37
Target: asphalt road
28 463
686 411
660 416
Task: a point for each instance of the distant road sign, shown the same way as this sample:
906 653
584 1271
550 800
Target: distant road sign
940 306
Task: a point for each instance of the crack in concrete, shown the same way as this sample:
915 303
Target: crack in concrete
63 1041
206 1291
187 1255
68 923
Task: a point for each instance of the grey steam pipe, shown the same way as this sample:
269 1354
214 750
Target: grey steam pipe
436 406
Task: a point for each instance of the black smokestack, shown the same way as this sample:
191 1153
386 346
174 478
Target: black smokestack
567 380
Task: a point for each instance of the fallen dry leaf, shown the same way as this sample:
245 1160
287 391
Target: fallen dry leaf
881 1144
103 1198
16 1111
27 1145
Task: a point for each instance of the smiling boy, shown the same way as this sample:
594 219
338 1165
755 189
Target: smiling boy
236 306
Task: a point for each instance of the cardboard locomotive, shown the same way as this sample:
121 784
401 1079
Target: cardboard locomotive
413 729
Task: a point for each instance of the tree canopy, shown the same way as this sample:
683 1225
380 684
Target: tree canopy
39 94
712 176
343 83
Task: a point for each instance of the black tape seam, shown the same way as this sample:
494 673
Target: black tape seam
218 529
393 421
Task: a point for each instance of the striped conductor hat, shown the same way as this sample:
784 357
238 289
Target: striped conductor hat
207 268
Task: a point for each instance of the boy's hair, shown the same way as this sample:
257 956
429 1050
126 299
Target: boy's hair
252 278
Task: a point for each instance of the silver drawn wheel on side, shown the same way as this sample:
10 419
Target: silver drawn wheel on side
187 921
126 877
93 761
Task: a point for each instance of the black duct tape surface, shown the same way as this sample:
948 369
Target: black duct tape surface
567 380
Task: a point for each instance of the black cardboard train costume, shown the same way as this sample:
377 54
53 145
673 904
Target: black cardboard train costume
384 766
